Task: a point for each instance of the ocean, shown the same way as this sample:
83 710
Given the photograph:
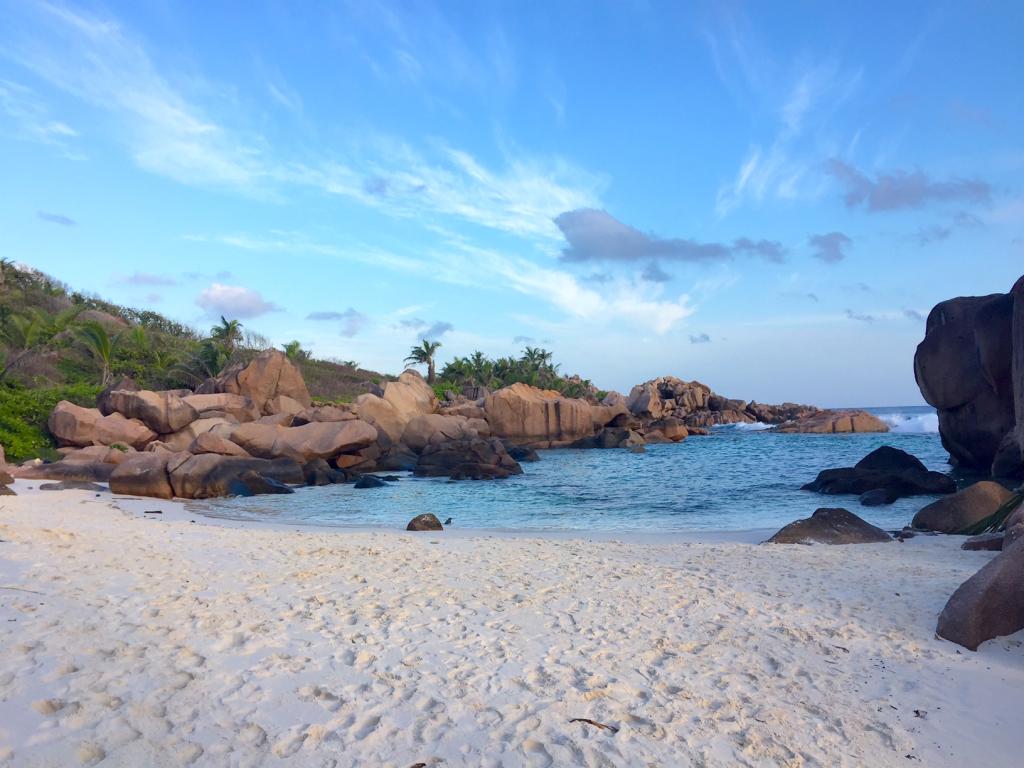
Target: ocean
738 478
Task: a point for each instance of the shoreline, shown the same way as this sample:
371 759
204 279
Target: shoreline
131 640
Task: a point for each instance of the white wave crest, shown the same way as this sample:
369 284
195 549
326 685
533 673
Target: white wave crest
741 426
911 422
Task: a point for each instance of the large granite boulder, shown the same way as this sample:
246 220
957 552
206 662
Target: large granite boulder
72 424
970 367
210 475
208 442
830 526
224 405
610 437
433 428
965 508
989 604
116 429
883 468
182 439
467 460
400 403
103 400
834 422
85 471
425 522
316 440
543 418
163 412
268 376
147 474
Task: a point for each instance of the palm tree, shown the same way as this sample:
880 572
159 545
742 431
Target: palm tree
227 333
293 351
100 344
22 334
424 355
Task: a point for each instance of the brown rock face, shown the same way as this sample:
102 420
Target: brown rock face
830 526
162 412
970 367
71 424
956 512
240 408
207 442
209 475
146 474
828 422
989 604
316 440
271 374
429 428
525 414
115 428
182 439
467 460
426 522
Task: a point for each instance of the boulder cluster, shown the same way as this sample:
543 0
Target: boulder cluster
694 405
970 367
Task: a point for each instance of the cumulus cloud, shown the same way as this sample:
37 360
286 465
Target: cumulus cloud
901 189
234 301
830 247
57 218
859 316
437 330
596 235
702 338
146 278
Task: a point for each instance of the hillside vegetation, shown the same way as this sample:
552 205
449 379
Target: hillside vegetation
60 344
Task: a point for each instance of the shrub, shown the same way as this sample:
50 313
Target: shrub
24 413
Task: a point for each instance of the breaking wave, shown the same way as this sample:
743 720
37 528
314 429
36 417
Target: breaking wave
901 421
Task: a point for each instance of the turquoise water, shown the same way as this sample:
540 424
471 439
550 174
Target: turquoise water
734 479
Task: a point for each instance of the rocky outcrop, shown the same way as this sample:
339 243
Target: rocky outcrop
210 475
467 460
989 604
316 440
270 375
208 442
834 422
163 412
963 509
147 474
543 418
224 405
830 526
390 413
72 425
610 437
891 469
970 367
434 428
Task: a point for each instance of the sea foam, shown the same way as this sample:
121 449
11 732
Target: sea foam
911 422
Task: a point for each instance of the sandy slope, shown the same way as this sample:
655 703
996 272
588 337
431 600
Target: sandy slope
162 642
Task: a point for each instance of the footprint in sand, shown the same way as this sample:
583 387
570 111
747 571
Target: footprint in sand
90 753
291 742
537 753
365 727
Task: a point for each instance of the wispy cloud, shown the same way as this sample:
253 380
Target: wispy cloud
701 338
596 235
437 330
57 218
234 301
24 116
147 278
913 314
352 322
860 316
901 189
830 247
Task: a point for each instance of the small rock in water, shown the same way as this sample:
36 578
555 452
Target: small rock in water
369 481
391 478
878 496
448 521
425 522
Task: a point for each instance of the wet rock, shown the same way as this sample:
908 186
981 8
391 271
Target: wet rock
467 459
370 481
520 452
878 497
319 472
830 526
425 522
94 472
71 485
985 542
252 483
210 475
896 472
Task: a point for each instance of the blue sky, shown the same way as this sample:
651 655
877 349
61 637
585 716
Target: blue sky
764 197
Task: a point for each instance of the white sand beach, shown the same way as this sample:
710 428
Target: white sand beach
133 640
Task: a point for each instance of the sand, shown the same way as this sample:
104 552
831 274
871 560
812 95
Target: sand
135 640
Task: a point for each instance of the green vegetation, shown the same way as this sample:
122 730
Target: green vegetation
997 520
424 355
58 344
533 367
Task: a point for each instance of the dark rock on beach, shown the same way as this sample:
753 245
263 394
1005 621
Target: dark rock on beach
71 485
370 481
467 460
989 604
966 508
896 472
830 526
425 522
985 542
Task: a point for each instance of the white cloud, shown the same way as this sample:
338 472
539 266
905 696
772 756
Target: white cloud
234 302
24 116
